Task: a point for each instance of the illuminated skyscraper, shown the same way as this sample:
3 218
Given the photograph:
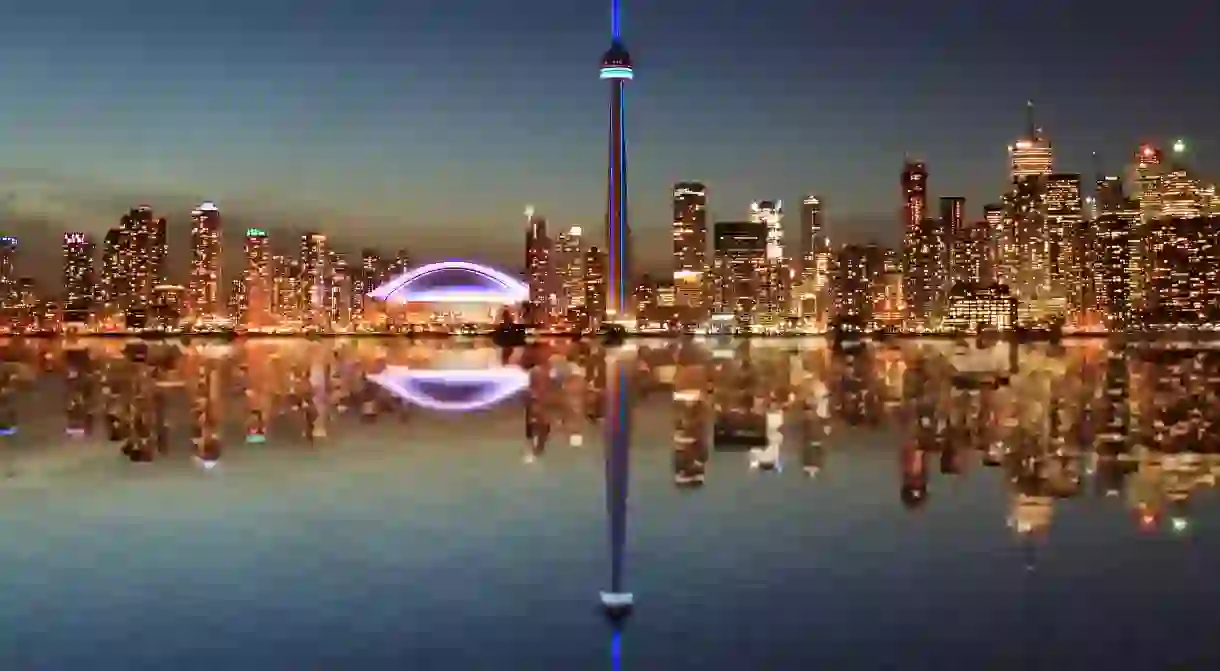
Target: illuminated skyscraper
365 280
690 248
1112 269
569 266
616 66
1181 195
1149 171
340 300
78 276
315 279
595 287
1027 245
1065 226
9 294
538 268
111 286
142 250
915 197
776 273
204 286
257 279
953 223
739 263
811 231
1183 269
690 228
953 215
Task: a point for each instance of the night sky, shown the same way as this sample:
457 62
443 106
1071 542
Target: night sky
431 124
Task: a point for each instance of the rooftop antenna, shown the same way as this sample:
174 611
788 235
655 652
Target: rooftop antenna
1029 120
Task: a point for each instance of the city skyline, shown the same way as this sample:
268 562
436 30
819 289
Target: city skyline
383 167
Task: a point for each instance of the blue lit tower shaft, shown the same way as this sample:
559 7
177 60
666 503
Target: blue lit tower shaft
617 449
616 67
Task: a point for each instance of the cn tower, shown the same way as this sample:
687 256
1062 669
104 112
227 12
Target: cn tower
616 67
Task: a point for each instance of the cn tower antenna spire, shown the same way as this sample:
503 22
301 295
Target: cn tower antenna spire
616 26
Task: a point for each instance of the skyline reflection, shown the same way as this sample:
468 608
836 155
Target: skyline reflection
1057 423
999 481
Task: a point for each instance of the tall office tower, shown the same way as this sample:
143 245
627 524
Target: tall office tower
1181 196
858 275
365 280
111 287
970 254
340 301
1183 269
616 67
8 274
915 200
1027 239
915 212
953 215
142 255
1110 196
776 273
315 279
595 288
204 286
569 266
538 268
1148 171
79 290
811 231
257 279
287 286
1064 221
237 306
690 248
739 261
1112 271
926 271
370 271
399 265
993 217
953 223
690 228
279 285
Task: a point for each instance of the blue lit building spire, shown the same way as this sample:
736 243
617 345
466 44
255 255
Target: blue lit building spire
616 67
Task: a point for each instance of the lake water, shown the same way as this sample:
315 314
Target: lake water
373 504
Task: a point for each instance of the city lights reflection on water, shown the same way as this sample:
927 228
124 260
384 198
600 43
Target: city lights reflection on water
789 505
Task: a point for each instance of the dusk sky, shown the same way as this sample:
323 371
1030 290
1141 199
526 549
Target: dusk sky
431 125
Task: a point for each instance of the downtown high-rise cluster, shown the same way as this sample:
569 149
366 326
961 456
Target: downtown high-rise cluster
127 285
1107 252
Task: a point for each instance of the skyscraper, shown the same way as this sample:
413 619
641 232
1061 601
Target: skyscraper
915 197
538 268
595 287
257 279
953 215
811 230
776 274
9 294
1065 218
315 279
112 284
1027 240
78 276
616 67
569 267
204 287
739 262
142 250
690 228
